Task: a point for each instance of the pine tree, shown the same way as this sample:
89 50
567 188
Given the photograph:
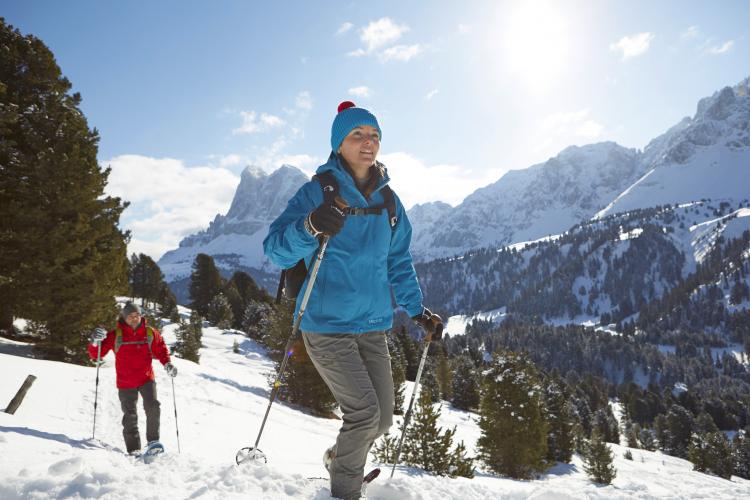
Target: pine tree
598 460
679 423
647 440
301 382
461 465
741 453
63 257
409 349
560 422
425 444
189 337
514 433
205 283
146 278
711 453
398 372
605 424
220 312
444 374
256 320
465 383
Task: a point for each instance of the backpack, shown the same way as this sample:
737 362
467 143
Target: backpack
291 279
119 342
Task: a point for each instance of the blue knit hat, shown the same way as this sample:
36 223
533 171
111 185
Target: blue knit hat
349 117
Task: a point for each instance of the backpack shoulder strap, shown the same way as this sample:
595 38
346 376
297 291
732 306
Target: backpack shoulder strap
329 185
390 205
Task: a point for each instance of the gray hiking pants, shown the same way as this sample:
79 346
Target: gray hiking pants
357 369
128 400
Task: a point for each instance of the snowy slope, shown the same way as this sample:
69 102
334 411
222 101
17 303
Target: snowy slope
46 450
704 157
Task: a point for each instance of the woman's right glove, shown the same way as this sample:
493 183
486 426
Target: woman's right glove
430 323
326 219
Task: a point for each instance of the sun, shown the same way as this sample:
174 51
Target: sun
536 42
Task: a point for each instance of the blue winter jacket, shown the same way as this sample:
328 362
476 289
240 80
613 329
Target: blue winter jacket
352 293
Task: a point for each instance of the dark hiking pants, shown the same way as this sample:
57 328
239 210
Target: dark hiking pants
357 369
128 401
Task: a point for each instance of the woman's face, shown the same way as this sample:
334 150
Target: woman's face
360 148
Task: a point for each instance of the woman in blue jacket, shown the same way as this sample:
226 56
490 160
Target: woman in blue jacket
350 306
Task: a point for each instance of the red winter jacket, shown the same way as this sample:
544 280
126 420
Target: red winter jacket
133 362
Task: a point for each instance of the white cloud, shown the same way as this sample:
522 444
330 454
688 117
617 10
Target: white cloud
304 100
689 33
415 182
576 123
168 200
360 91
633 45
379 38
721 49
432 93
400 52
252 123
230 160
380 33
345 27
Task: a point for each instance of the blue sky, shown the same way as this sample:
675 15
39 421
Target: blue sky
186 94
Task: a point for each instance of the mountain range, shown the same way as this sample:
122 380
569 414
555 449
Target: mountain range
703 157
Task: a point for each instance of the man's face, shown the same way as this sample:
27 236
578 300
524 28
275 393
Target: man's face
133 320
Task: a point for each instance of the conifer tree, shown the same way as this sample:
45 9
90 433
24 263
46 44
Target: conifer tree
428 447
398 372
741 453
514 433
257 320
560 422
189 337
465 383
409 349
220 312
63 257
205 283
711 453
598 460
646 439
679 424
146 279
444 374
301 382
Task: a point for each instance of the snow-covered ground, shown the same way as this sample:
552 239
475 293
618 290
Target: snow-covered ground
46 449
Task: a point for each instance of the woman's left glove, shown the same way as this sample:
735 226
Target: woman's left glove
430 323
171 369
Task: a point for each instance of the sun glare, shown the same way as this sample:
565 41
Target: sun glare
536 42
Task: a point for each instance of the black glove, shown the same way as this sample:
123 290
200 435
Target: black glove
431 323
326 219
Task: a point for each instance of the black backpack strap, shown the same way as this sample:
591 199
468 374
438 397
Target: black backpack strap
329 185
390 205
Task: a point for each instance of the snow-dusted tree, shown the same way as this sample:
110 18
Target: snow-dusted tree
679 423
444 374
605 424
427 446
646 439
189 338
257 319
711 453
514 433
741 453
220 312
465 383
598 460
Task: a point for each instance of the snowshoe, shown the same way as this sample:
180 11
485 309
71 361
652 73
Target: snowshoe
250 454
152 450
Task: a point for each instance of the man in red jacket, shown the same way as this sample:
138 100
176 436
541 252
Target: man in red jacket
135 345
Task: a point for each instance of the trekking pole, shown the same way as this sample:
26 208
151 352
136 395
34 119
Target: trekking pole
174 400
253 452
407 417
96 391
